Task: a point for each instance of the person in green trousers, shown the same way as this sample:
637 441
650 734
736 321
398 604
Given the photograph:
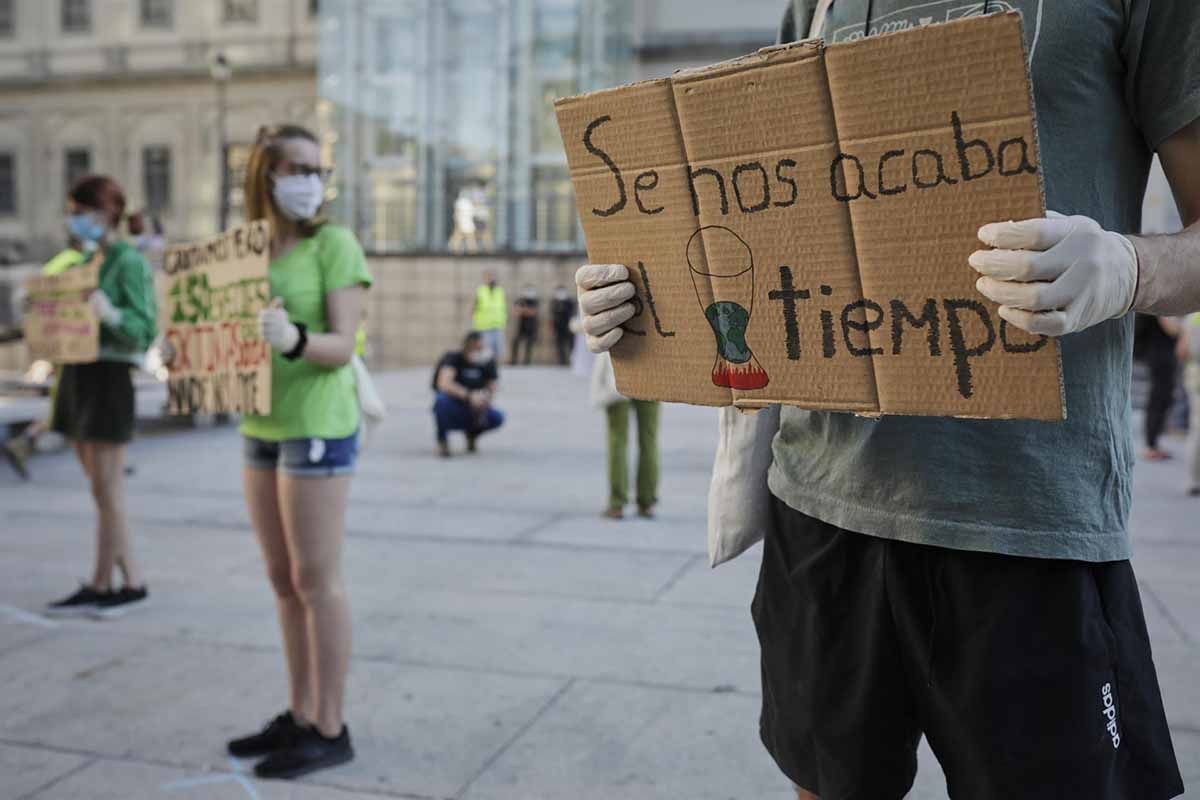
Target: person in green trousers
618 408
646 412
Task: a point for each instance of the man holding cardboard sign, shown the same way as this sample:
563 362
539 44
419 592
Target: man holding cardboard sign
963 579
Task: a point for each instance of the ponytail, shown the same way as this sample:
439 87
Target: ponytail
135 223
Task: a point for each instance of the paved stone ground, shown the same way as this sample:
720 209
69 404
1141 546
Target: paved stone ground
510 644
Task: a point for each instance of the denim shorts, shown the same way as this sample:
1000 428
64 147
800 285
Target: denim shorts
310 458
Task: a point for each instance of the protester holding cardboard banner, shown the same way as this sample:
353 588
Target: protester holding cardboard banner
300 456
94 402
23 445
966 579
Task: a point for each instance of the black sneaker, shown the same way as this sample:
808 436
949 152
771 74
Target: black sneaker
471 439
84 602
279 734
119 603
308 753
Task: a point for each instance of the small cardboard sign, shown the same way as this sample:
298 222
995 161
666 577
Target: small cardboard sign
797 223
60 325
214 292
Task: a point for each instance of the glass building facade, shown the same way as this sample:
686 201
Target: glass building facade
438 116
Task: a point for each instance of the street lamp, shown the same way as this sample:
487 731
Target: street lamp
221 71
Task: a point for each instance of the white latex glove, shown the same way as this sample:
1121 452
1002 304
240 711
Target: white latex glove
1056 275
604 294
108 314
275 327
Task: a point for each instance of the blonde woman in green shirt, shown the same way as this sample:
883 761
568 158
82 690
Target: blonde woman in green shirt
299 458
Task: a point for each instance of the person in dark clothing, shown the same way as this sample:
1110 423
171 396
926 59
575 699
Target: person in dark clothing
465 382
562 310
909 587
526 309
1155 344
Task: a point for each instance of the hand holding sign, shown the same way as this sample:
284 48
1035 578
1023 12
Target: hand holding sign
1057 275
106 312
276 328
605 292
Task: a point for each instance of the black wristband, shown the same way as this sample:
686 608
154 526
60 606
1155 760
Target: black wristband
298 350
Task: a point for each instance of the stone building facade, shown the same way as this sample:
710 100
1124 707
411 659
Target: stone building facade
125 87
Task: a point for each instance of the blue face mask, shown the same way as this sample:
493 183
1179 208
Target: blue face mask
85 228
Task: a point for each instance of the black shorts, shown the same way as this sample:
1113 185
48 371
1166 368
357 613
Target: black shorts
1031 678
94 402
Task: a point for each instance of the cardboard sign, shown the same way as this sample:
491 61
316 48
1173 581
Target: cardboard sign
797 223
60 325
215 290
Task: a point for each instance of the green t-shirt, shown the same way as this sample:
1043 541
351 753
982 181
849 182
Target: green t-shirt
1112 80
309 401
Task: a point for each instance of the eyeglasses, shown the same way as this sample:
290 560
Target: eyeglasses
307 170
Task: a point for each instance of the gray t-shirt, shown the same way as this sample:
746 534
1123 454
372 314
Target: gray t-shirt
1112 80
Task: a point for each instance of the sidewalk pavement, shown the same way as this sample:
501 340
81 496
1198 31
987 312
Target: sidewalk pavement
509 643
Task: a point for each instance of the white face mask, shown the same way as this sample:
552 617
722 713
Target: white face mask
480 357
298 196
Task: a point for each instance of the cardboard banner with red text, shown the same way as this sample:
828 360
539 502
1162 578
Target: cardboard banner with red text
214 292
797 223
60 325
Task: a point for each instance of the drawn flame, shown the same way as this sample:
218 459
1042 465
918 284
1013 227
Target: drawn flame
746 378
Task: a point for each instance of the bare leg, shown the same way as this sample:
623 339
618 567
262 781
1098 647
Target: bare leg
108 488
314 518
262 500
84 454
103 566
805 795
108 470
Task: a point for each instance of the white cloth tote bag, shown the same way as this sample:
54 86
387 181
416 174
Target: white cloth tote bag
739 500
370 404
604 383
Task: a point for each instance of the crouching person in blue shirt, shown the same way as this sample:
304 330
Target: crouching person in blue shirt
465 382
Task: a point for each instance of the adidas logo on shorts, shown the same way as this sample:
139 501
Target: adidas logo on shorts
1110 713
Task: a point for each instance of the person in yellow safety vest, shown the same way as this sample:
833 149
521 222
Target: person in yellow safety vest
21 446
64 260
490 316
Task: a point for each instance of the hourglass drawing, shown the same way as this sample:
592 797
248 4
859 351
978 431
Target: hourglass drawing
722 266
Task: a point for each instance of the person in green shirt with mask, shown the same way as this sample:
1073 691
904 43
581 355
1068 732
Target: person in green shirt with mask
94 403
300 457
